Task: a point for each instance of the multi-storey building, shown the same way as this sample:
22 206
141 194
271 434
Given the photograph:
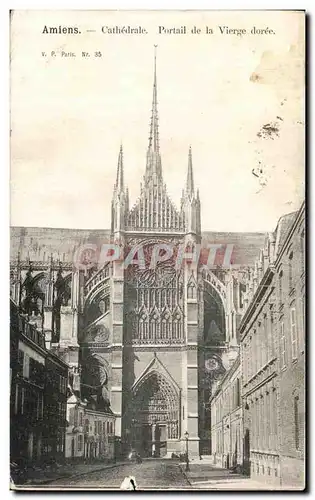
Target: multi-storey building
55 409
145 337
27 364
272 356
99 436
38 393
91 430
227 419
290 286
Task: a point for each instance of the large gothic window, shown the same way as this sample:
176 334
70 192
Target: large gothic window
214 317
98 307
94 381
155 305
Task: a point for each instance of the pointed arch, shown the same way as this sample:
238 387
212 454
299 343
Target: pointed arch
166 323
156 365
154 323
98 305
210 279
214 315
95 379
191 287
155 400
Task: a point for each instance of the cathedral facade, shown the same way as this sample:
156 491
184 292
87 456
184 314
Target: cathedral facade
148 340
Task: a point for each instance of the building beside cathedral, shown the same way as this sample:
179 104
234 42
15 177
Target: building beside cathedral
272 333
146 341
38 394
227 420
91 430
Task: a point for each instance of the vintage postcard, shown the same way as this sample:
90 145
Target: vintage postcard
157 265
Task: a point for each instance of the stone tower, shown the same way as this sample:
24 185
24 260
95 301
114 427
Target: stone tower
155 308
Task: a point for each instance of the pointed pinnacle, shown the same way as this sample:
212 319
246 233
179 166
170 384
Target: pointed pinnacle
190 175
154 127
120 171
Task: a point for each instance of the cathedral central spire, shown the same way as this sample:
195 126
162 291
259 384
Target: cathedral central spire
153 167
154 124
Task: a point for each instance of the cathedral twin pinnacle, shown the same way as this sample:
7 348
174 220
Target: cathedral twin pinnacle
154 208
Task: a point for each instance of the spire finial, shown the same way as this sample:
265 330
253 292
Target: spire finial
153 173
120 171
154 126
190 175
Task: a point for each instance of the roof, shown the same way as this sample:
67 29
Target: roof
283 227
39 243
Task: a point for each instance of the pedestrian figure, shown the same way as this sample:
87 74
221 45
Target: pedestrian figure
129 483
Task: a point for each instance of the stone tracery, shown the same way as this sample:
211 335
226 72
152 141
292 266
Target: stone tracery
157 309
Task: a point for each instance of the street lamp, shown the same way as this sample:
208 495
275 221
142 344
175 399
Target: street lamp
187 458
133 422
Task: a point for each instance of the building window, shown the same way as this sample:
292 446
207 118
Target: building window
293 333
63 385
270 328
263 332
245 362
16 403
81 419
111 428
40 406
238 392
20 362
296 422
95 427
107 427
75 417
302 243
282 346
22 401
280 287
26 366
290 271
103 427
255 351
86 426
80 442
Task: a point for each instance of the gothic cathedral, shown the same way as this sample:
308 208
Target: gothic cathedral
147 340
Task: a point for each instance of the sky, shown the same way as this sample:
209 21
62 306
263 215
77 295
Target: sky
216 92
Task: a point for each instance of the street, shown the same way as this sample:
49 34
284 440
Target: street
150 474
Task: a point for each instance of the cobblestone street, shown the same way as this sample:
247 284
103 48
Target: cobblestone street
151 473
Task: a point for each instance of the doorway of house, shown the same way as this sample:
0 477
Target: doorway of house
246 465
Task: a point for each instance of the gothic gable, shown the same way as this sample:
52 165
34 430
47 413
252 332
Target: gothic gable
155 366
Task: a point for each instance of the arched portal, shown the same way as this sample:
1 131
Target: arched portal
154 415
214 340
94 381
214 317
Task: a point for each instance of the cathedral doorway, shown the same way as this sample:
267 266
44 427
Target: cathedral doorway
155 415
150 440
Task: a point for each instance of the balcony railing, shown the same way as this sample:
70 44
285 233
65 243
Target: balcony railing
30 331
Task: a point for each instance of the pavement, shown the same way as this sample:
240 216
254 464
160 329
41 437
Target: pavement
204 476
151 474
